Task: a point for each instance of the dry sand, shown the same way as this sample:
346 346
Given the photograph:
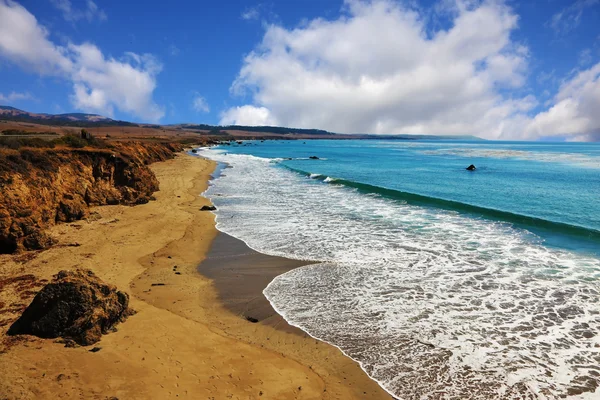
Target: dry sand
183 342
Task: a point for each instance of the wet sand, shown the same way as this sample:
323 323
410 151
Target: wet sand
183 342
240 274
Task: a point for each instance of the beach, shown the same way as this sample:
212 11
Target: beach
190 336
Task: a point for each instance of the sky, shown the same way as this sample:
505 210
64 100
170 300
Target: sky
497 69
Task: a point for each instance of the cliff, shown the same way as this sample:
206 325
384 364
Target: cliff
43 186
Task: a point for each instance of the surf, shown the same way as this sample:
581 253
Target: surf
463 207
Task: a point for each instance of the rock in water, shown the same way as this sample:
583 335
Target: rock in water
76 305
313 157
471 168
208 208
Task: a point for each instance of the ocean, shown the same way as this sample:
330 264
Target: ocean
441 282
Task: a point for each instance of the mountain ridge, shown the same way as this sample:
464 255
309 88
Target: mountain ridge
94 120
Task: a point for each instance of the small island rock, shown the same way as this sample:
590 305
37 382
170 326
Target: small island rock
471 168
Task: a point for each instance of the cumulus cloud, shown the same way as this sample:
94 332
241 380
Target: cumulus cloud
377 69
199 104
575 109
248 115
89 12
100 84
15 96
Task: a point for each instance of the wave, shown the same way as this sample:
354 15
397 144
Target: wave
453 205
463 306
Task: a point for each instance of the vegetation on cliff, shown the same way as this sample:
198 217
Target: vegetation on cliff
45 182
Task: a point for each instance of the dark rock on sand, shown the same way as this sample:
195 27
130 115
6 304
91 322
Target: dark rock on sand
208 208
251 319
76 305
313 157
471 168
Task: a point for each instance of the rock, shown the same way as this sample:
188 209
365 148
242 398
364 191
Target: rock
251 319
70 210
194 151
313 157
471 168
76 305
208 208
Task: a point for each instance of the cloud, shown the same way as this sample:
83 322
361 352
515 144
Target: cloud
377 69
90 12
585 57
100 84
199 104
174 50
15 96
251 13
575 110
248 115
569 18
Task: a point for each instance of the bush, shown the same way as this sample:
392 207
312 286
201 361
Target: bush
72 141
17 143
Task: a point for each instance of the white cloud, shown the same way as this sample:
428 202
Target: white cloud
15 96
89 12
100 84
569 18
250 14
376 69
575 109
199 104
248 115
174 50
25 42
585 57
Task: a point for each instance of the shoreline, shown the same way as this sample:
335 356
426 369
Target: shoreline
240 274
182 342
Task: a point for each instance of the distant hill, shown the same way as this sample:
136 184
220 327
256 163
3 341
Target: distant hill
322 134
93 120
278 130
71 119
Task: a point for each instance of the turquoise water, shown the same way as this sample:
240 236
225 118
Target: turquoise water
551 188
440 282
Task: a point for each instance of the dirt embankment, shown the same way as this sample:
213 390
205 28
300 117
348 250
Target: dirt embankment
40 187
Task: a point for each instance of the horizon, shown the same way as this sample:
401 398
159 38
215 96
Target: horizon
497 70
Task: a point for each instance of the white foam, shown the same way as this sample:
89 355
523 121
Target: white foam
427 301
582 160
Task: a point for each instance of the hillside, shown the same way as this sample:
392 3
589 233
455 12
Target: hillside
8 113
14 119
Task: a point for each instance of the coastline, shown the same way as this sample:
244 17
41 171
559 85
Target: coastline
183 341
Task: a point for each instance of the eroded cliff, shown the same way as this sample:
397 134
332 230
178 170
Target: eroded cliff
42 186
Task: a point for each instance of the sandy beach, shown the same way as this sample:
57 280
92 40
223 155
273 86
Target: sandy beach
190 337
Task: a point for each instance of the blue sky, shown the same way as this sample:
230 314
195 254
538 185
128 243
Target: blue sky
497 69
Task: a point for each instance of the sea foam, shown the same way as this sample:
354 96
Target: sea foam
432 304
